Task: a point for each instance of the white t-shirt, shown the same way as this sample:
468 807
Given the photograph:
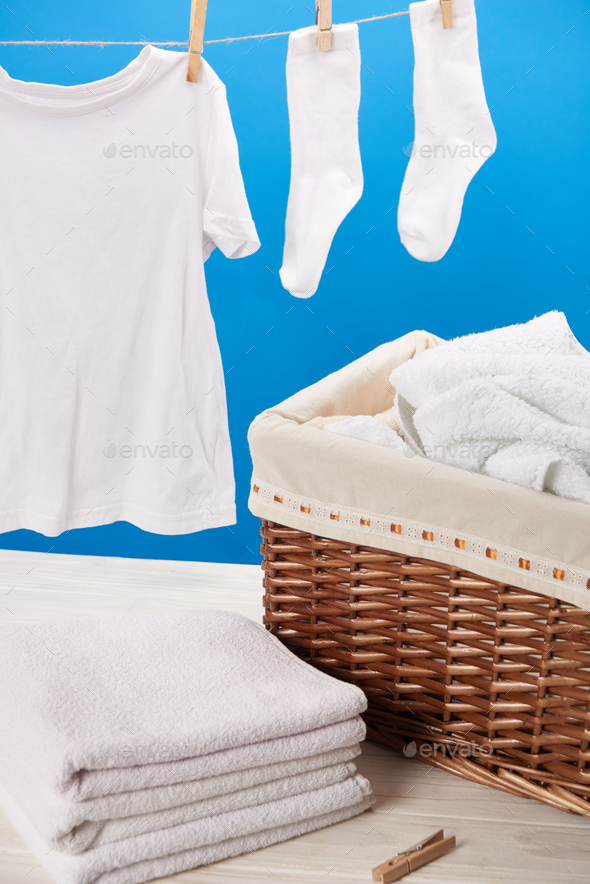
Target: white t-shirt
112 396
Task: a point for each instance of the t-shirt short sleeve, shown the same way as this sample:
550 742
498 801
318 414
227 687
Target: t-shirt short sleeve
227 223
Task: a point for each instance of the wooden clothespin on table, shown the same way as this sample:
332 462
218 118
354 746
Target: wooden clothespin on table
414 857
447 13
323 17
195 40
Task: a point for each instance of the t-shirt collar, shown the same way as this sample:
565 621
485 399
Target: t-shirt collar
55 100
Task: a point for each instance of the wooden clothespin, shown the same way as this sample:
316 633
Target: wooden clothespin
195 40
414 857
323 17
447 13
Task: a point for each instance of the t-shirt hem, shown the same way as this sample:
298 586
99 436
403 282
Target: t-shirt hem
210 516
235 237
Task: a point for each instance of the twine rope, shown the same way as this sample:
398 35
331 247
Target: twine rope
170 43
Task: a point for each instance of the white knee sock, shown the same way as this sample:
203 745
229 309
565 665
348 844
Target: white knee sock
454 134
323 90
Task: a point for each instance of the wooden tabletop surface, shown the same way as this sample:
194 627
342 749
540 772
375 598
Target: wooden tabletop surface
500 839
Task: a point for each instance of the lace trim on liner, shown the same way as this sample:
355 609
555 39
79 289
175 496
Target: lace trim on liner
555 574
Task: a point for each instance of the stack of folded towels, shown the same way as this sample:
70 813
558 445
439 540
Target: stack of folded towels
135 748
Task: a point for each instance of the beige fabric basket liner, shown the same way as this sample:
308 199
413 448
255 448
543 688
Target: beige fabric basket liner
369 495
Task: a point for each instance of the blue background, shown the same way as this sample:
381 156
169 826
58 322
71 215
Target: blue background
521 248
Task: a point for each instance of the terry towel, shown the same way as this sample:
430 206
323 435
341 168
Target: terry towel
221 695
512 403
74 826
94 781
145 857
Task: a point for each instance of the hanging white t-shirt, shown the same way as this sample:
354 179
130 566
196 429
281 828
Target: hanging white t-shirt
112 396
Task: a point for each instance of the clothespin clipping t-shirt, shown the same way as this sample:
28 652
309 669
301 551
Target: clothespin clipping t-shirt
195 40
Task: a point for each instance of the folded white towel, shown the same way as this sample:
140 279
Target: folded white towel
98 783
286 787
98 707
513 403
164 797
189 845
74 826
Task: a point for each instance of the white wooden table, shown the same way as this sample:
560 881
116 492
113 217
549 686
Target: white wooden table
500 839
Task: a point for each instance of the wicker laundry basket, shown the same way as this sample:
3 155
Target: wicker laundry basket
486 680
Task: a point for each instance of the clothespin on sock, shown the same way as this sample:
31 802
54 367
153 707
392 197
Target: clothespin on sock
447 13
323 17
195 40
414 857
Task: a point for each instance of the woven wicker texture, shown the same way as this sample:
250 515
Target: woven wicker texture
488 681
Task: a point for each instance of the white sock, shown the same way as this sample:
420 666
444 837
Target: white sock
323 91
454 134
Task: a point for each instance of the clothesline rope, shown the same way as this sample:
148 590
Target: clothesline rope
170 43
